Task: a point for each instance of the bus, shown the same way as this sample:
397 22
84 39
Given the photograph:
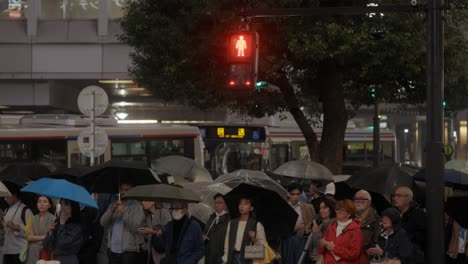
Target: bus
52 139
232 147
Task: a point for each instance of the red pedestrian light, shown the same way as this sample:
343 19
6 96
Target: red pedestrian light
242 59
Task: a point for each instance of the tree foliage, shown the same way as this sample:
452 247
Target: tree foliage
179 52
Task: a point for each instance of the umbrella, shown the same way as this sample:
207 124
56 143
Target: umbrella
454 208
382 180
4 190
106 177
201 211
58 188
275 213
162 193
305 170
256 178
207 190
22 173
451 177
69 174
460 165
182 167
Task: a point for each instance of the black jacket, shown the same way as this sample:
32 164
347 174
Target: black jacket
413 221
397 245
216 232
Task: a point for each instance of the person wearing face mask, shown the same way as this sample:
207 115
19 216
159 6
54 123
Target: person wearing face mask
122 221
182 237
215 231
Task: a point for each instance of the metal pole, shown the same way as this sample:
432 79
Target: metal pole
376 136
435 124
93 127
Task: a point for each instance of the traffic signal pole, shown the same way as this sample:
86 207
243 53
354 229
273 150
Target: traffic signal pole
435 252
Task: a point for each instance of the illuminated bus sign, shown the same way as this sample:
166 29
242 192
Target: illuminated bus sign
233 133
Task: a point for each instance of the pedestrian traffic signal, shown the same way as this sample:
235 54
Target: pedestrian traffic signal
242 59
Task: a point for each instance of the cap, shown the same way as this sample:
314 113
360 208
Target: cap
330 189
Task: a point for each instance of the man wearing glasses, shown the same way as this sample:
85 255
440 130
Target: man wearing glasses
294 244
413 220
369 220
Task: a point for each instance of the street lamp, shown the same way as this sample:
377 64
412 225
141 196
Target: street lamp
405 145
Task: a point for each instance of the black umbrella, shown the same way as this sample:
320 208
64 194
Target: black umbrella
382 180
452 177
69 174
455 208
22 173
276 215
106 177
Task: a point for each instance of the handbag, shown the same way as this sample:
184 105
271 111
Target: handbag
254 251
23 256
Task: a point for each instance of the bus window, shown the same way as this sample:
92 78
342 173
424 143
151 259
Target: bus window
279 154
50 151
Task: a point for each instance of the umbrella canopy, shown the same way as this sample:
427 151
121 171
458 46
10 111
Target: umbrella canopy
162 193
106 177
182 167
255 178
305 170
275 213
459 165
61 189
4 192
381 180
22 173
201 211
69 174
454 207
451 177
207 190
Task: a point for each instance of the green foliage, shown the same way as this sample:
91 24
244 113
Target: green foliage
179 48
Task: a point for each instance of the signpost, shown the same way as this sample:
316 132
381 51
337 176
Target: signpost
92 101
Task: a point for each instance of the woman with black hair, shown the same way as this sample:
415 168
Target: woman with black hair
37 227
65 235
327 215
241 232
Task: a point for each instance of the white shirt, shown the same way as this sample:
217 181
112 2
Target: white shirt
341 226
15 241
298 210
461 240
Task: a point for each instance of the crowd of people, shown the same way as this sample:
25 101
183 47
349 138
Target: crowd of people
348 231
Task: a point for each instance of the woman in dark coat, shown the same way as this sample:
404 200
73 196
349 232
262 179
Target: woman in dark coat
65 236
393 243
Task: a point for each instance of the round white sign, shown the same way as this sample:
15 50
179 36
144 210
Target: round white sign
100 142
85 100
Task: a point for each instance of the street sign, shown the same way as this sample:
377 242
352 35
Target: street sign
100 145
85 100
448 150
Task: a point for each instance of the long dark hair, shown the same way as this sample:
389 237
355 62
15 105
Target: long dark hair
330 204
75 214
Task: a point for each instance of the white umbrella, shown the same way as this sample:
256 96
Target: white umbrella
182 167
4 192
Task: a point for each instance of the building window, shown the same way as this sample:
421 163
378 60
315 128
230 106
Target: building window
69 9
117 8
13 9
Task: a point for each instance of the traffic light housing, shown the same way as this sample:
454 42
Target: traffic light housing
242 60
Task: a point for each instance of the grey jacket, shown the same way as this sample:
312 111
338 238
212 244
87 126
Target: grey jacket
134 218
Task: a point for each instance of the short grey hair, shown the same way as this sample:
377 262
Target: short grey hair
364 193
407 190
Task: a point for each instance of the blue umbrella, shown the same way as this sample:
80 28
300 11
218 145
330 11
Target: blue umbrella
451 177
58 188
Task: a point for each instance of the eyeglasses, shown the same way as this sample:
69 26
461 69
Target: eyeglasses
341 210
359 199
398 195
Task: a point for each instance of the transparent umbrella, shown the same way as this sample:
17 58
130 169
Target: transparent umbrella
180 166
305 170
207 190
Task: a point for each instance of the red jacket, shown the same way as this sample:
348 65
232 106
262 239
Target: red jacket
348 245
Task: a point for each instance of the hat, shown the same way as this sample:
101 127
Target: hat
393 215
330 188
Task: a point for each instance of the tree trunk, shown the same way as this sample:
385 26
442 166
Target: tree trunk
301 120
335 117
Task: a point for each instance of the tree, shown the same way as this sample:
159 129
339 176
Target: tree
317 63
